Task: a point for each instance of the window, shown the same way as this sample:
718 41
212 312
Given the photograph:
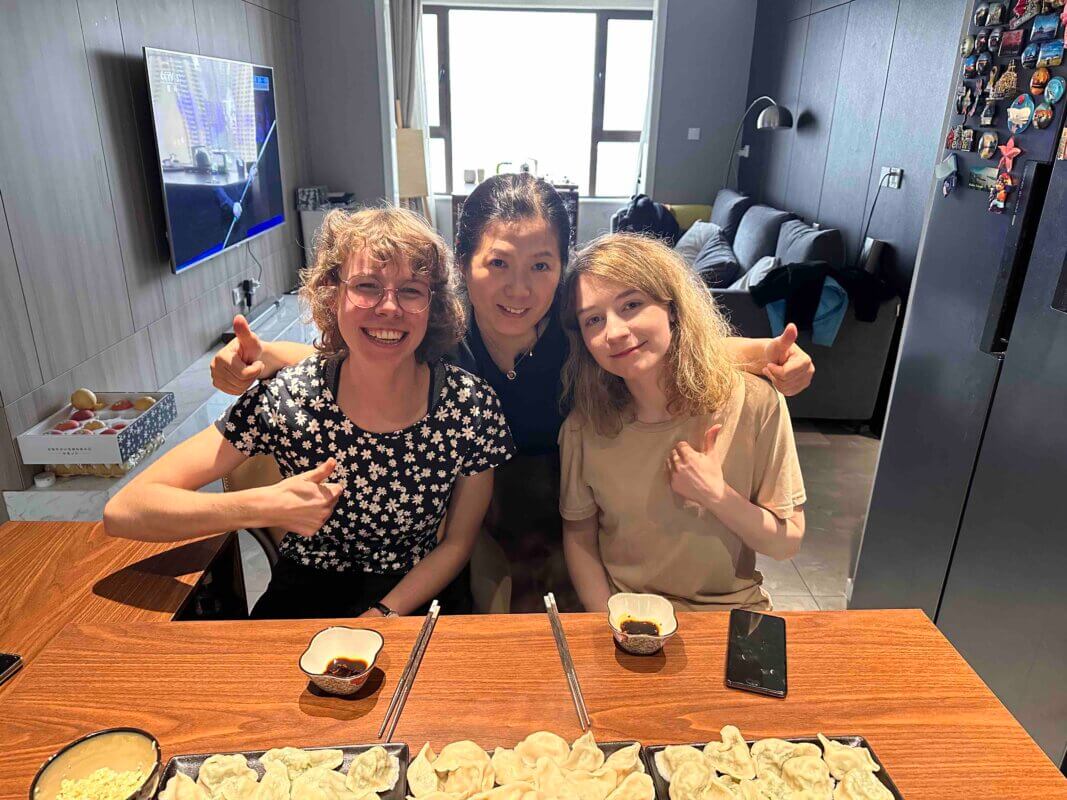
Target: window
563 91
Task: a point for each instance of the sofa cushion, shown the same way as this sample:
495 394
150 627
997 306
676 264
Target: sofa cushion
728 209
692 241
758 272
799 243
715 263
757 235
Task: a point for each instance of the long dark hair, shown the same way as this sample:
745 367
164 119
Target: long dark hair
513 197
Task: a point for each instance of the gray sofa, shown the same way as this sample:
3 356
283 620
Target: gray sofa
848 374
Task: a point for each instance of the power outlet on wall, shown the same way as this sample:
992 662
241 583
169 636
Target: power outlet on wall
896 177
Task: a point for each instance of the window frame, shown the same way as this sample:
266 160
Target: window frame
598 133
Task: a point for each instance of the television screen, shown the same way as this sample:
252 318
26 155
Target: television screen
217 143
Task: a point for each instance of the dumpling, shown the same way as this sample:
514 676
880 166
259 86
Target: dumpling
860 784
841 758
460 754
182 787
422 777
509 767
275 783
520 790
769 787
673 755
543 744
240 788
770 754
596 785
731 755
321 783
548 777
689 779
808 773
469 780
635 786
373 770
585 754
718 789
438 796
626 760
297 761
219 769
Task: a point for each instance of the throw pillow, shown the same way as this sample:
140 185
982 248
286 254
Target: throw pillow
799 243
715 263
692 241
728 209
757 235
754 276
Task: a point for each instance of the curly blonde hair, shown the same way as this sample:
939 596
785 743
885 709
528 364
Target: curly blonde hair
388 236
699 374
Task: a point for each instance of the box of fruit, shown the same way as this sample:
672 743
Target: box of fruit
104 428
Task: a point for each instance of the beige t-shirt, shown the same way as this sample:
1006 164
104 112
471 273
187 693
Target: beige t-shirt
651 540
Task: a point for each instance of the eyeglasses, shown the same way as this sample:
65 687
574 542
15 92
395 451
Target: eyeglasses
413 297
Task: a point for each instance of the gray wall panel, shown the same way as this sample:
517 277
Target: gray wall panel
778 145
222 29
703 86
814 112
141 237
860 92
19 369
55 187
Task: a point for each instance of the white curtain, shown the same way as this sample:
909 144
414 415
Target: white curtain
410 86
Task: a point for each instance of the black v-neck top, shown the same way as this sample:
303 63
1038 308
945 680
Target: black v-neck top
531 402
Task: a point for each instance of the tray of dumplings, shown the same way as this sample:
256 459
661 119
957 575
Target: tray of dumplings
541 766
350 772
808 768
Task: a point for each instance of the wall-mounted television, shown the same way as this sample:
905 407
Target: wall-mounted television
216 132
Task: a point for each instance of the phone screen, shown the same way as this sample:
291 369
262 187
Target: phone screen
755 658
9 665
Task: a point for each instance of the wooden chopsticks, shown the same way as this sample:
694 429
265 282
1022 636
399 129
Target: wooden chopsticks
411 669
565 658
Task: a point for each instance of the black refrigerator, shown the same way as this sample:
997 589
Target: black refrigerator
967 516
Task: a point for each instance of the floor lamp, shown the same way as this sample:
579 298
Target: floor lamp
774 117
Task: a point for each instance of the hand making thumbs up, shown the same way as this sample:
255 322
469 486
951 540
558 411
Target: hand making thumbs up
696 475
789 368
304 502
237 366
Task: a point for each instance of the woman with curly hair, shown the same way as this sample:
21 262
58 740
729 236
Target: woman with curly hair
376 437
677 467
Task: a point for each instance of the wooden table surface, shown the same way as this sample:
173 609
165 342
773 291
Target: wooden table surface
217 686
54 573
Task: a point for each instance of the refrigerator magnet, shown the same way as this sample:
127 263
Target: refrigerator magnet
1043 116
989 114
981 11
1038 81
1020 114
987 147
995 14
983 64
1030 55
1055 89
1051 54
995 37
1011 44
1045 27
966 46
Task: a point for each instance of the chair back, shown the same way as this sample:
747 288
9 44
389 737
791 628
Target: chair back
256 472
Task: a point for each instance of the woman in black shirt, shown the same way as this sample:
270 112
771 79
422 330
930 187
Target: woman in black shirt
511 245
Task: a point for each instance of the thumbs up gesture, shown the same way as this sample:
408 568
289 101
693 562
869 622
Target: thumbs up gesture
237 366
696 475
304 502
789 368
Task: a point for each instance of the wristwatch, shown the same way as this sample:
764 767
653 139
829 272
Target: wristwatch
386 611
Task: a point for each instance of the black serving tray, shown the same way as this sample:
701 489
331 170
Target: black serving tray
662 790
190 764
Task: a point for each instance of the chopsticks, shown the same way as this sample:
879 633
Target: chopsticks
565 658
411 669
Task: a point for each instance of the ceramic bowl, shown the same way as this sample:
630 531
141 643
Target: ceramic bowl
646 607
340 642
121 749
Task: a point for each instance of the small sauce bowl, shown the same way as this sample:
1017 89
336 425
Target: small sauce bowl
338 642
625 607
119 749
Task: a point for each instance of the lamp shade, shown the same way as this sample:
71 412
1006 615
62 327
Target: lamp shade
774 117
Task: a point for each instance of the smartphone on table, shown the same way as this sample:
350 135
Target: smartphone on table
755 653
9 665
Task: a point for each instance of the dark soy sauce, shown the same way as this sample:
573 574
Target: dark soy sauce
640 627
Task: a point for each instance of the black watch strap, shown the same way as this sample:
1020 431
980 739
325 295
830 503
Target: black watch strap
386 611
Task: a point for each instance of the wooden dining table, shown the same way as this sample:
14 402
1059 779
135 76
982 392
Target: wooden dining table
204 687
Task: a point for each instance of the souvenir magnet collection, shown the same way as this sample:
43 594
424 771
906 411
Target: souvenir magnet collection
987 146
1055 90
948 173
1020 114
1051 54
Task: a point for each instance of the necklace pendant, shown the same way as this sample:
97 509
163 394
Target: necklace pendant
510 374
